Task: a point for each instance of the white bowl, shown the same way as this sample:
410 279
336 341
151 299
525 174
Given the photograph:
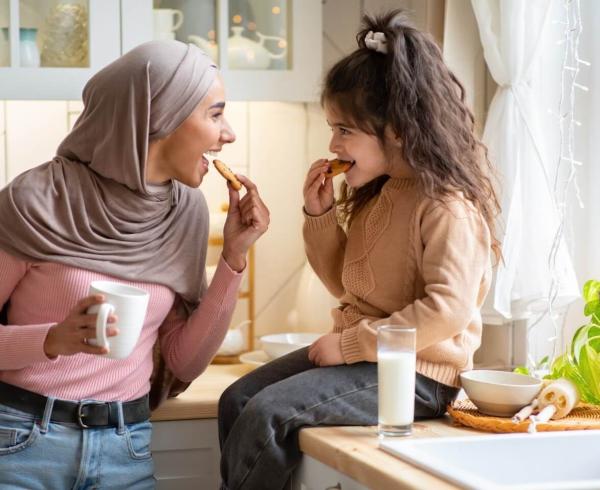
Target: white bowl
499 393
280 344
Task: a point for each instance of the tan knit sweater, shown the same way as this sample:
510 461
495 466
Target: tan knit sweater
406 260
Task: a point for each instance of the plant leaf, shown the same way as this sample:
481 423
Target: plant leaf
591 290
592 308
521 370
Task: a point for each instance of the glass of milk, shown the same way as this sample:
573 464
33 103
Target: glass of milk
396 362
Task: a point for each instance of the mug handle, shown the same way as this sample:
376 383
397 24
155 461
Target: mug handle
103 312
178 16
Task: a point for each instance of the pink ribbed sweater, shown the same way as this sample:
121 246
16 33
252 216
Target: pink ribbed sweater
42 294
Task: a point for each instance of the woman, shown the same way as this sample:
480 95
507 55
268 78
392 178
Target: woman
119 203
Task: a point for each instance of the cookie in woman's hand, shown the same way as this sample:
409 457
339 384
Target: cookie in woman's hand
226 172
337 167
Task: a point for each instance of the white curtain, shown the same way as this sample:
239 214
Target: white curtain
511 33
584 230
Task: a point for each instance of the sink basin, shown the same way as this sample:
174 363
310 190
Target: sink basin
545 460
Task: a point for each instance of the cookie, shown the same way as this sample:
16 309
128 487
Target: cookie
226 172
337 167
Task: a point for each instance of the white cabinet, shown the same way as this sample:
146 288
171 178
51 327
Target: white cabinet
186 454
50 48
266 49
314 475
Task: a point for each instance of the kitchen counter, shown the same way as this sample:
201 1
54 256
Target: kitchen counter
200 400
349 450
354 451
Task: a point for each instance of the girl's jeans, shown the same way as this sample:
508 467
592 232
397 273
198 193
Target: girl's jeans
44 455
260 414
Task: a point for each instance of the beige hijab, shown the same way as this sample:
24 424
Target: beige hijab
90 207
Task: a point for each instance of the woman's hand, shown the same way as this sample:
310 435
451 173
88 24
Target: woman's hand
318 191
71 335
327 350
247 219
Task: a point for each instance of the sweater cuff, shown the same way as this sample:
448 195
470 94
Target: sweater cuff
322 222
225 281
350 346
29 346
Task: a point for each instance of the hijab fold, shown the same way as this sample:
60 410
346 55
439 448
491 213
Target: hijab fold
90 207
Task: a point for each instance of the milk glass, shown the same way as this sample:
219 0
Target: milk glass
396 363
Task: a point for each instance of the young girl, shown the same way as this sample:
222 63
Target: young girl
409 242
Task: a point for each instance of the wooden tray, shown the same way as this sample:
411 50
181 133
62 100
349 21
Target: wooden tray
463 412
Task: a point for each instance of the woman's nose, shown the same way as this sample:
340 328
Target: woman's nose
227 134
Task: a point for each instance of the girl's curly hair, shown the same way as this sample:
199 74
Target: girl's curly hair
412 91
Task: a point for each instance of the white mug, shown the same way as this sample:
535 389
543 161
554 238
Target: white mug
166 22
129 304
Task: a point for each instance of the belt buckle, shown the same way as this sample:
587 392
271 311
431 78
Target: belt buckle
81 415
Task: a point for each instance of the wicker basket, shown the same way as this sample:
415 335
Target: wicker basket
464 412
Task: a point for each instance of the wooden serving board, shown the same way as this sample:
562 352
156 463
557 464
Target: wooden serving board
464 412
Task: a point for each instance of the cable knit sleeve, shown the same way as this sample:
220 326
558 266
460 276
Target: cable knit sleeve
189 346
325 243
20 346
455 265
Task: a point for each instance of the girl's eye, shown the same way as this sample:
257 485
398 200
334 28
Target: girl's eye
217 115
341 131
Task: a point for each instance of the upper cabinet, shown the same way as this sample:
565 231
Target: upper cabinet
265 49
50 48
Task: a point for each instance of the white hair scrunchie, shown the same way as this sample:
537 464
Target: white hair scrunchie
376 41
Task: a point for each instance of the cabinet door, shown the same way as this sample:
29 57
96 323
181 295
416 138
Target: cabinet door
186 454
50 48
266 50
314 475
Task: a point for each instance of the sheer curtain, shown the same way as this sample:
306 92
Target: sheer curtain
584 229
513 34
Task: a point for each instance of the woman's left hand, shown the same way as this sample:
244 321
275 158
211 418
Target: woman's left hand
247 219
326 350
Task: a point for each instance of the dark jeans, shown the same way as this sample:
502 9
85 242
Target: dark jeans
260 414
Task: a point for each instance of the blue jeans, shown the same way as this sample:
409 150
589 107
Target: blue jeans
261 413
44 455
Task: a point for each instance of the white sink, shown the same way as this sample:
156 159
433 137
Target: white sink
546 460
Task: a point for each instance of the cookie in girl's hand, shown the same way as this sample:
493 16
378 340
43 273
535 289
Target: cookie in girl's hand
226 172
337 167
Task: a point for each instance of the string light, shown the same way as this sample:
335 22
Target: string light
571 66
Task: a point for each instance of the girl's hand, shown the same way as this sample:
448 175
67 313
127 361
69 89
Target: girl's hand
247 219
327 350
71 335
318 191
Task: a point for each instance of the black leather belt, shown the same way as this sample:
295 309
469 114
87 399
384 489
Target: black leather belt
86 413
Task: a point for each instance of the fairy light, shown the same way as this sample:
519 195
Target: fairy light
571 66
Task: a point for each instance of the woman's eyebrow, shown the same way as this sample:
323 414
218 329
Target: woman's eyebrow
218 105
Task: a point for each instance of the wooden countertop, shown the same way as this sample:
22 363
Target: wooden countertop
200 400
351 450
354 451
